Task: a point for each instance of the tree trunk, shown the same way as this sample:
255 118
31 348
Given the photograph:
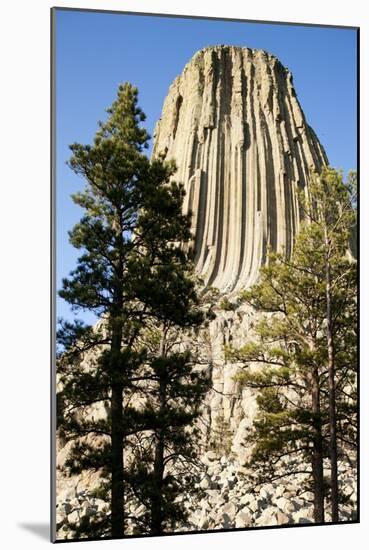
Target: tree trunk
157 501
317 458
117 487
116 374
332 397
117 490
157 515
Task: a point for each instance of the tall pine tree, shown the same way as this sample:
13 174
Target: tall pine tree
303 359
130 269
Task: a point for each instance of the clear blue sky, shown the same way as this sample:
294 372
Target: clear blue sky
97 51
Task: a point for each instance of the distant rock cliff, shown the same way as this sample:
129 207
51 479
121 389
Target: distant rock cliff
236 130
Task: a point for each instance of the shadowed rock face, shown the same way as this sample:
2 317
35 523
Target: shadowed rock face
242 146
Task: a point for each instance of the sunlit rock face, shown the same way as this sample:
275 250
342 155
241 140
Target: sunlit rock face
234 126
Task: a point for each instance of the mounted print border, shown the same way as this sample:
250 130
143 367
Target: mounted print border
205 306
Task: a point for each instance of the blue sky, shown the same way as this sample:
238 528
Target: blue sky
97 51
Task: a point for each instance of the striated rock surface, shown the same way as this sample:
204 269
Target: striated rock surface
242 146
234 126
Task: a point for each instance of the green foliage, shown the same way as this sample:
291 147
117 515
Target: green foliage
133 274
226 305
164 462
221 437
287 364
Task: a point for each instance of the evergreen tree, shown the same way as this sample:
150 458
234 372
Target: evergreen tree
129 270
303 359
164 465
330 212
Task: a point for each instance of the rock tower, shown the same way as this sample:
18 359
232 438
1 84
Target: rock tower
243 149
234 126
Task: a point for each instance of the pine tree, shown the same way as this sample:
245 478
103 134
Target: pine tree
330 212
165 463
130 269
303 359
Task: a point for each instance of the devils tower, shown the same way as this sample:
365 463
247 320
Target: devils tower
244 151
234 126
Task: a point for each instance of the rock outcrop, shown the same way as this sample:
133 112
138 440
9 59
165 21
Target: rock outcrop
243 149
234 126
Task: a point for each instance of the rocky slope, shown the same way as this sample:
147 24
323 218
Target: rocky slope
227 501
227 498
234 126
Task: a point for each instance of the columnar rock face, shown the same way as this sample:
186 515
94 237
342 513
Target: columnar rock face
242 146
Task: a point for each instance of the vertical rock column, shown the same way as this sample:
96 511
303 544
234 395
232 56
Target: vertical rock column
242 146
